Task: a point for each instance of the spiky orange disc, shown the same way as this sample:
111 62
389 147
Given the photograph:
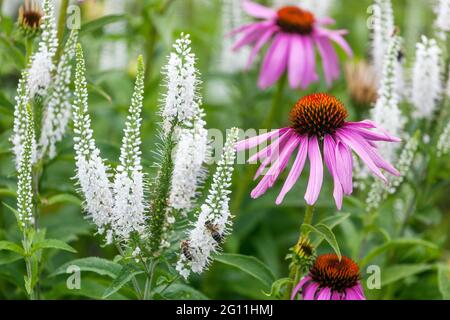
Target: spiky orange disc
333 273
292 19
318 114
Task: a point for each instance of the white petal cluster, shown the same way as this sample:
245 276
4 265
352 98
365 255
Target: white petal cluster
181 103
190 154
116 208
57 113
91 170
443 18
427 83
20 121
320 8
41 64
382 24
214 213
443 146
128 212
24 184
232 17
386 112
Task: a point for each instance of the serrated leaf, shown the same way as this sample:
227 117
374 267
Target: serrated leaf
93 264
52 244
395 243
125 275
327 234
249 265
444 281
11 246
399 272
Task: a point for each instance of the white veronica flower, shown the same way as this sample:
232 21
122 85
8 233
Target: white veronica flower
20 121
25 217
443 15
57 113
232 17
91 170
382 30
386 112
190 154
443 146
213 219
427 78
181 103
41 64
128 212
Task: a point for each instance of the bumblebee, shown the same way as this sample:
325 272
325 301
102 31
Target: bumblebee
186 250
214 231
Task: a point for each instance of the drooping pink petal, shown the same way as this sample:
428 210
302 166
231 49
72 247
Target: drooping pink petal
363 153
296 61
329 59
296 170
336 295
316 172
309 291
277 167
336 36
272 147
374 136
242 28
310 63
329 147
354 294
345 172
325 21
258 11
324 294
255 141
260 43
275 61
299 286
251 35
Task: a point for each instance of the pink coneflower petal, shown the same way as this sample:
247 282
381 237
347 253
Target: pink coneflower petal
309 291
260 43
335 296
275 61
345 160
329 59
252 34
258 11
299 286
316 172
336 36
296 61
310 56
277 167
325 21
273 148
255 141
329 147
362 152
324 294
296 170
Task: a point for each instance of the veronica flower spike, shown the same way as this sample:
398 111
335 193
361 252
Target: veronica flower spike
318 129
293 34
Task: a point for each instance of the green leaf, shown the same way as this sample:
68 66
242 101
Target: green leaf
249 265
8 193
125 275
93 264
444 281
178 291
393 244
13 52
11 246
96 24
326 233
399 272
52 244
64 198
331 223
277 286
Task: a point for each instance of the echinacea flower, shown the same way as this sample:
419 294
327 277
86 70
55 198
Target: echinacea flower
318 129
331 278
294 33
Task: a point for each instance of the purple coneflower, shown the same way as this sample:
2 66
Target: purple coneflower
318 126
331 278
294 33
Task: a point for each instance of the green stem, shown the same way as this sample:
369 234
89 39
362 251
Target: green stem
276 101
30 277
294 272
136 287
61 25
149 281
28 49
